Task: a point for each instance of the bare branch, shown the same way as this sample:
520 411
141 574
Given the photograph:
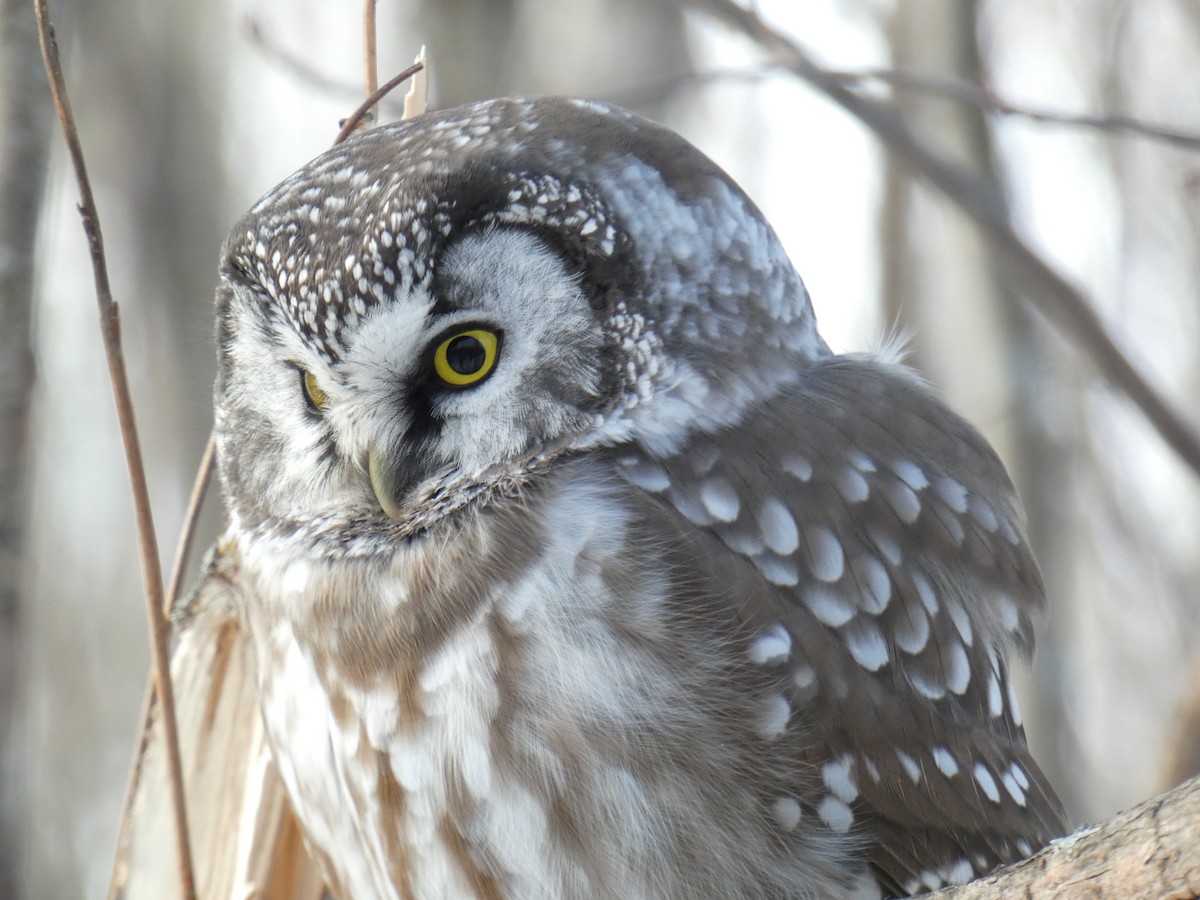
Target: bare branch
110 327
980 199
370 53
352 122
953 89
1148 851
291 62
983 96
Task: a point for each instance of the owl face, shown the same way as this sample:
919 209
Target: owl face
435 311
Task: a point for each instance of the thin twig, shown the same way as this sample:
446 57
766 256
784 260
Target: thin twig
984 97
293 63
110 327
370 55
183 548
953 89
982 200
355 117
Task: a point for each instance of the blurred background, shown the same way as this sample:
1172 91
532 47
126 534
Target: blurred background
189 111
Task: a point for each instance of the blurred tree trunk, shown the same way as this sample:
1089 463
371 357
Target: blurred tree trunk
25 119
941 283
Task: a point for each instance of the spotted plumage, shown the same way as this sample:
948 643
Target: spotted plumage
576 565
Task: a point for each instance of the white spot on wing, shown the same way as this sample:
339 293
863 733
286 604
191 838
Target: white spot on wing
910 765
1014 708
836 814
1014 790
851 485
986 782
773 718
910 631
797 466
778 571
646 475
839 778
787 812
925 591
828 605
866 644
960 872
945 761
995 697
950 492
828 560
903 501
772 647
910 473
720 499
958 669
873 581
779 530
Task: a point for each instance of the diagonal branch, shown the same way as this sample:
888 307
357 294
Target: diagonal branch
980 199
110 328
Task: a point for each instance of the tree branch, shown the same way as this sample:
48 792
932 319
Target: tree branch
982 201
1148 851
110 328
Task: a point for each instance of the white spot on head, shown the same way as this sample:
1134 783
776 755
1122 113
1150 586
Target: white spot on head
828 560
787 812
720 499
839 778
910 766
773 717
771 648
836 814
945 761
986 782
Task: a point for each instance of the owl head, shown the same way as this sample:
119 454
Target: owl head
435 311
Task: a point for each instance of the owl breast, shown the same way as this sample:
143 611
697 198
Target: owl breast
512 712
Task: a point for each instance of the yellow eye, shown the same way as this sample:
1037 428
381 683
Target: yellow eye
467 357
316 398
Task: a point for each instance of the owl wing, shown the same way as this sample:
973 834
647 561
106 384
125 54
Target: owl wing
898 583
244 838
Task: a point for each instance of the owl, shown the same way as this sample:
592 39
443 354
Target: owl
575 564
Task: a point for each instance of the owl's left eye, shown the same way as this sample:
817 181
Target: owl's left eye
314 396
466 357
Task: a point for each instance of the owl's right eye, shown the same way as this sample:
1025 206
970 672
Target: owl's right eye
314 396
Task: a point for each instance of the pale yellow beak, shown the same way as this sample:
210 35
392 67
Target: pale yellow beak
383 483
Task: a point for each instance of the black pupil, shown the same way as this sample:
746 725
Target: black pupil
466 355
